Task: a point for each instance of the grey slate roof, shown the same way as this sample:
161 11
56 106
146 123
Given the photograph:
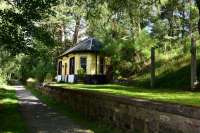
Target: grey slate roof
87 45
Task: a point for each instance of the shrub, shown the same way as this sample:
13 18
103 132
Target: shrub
2 77
31 82
49 77
81 73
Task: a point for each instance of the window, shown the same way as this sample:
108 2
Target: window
83 62
101 65
60 68
65 68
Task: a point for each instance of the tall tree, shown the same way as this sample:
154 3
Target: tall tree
76 30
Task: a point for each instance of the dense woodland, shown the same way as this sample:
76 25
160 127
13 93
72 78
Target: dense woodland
34 32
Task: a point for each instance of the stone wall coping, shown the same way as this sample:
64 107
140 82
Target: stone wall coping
161 106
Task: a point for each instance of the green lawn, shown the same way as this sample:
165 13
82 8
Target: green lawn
166 95
10 117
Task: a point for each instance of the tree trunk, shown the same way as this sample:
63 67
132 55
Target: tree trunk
152 67
171 31
193 54
184 46
183 19
193 64
62 33
76 31
132 23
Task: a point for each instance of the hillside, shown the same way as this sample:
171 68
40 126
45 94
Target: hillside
172 71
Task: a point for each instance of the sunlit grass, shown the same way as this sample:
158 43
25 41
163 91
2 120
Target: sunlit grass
166 95
8 101
10 118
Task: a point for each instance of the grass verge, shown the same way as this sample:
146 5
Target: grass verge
96 127
165 95
10 118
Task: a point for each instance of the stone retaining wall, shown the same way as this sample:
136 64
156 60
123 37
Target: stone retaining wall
129 114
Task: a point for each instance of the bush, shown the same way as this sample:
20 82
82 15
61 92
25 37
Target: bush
2 78
31 82
49 77
81 73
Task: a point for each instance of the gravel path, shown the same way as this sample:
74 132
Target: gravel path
42 119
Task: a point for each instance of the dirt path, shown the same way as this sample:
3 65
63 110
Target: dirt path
42 119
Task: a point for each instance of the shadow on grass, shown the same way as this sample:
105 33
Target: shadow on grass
169 79
173 73
179 79
7 94
11 120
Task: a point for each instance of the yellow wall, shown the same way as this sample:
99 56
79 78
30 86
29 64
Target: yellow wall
91 63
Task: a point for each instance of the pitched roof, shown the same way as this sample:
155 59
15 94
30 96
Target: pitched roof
89 45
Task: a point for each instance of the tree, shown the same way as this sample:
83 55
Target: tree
18 25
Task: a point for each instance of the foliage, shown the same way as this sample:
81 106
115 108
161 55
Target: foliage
81 72
31 83
10 66
18 25
2 78
130 28
23 38
37 67
22 66
129 56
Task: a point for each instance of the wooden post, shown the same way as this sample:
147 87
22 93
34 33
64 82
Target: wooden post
152 67
193 64
96 64
57 70
57 67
